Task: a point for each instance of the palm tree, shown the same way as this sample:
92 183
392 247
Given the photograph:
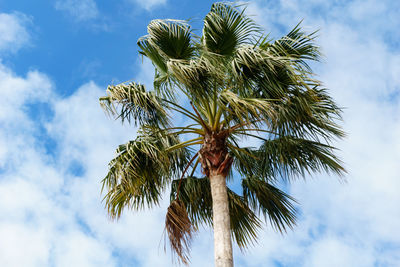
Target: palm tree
231 83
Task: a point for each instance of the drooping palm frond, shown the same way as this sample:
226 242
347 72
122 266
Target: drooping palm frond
274 204
131 102
311 113
179 230
287 157
258 73
129 186
195 193
292 156
225 27
246 111
197 76
152 52
140 172
163 82
296 45
244 222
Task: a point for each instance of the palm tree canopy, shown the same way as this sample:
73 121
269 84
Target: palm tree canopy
231 82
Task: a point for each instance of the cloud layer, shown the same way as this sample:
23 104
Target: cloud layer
149 5
352 223
80 10
13 32
54 151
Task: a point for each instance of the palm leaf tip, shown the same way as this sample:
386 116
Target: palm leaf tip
226 27
273 203
131 102
179 229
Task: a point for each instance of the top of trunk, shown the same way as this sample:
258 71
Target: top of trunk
214 156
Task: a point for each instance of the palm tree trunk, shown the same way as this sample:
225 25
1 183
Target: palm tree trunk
221 220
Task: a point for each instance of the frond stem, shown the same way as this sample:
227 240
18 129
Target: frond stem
256 130
217 118
194 167
232 129
199 116
183 173
182 110
242 150
256 136
193 141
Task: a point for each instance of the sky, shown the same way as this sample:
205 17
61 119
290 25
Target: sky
56 60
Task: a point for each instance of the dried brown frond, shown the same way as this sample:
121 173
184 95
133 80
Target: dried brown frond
179 229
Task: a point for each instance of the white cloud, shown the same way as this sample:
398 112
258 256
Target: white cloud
15 236
16 91
149 4
13 33
81 10
342 254
77 249
58 217
34 190
353 223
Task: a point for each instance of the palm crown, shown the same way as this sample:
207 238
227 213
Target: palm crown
231 83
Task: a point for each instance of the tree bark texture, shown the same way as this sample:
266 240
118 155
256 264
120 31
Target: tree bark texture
216 163
221 220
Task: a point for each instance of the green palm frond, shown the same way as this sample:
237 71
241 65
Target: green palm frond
310 113
166 40
250 60
195 193
296 45
197 76
152 52
262 74
140 172
276 83
246 111
163 83
171 38
245 161
130 186
289 157
131 102
274 204
225 27
244 222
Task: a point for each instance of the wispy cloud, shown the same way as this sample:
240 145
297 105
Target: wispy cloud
13 32
80 10
150 4
56 214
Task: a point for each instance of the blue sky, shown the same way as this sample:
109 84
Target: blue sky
57 58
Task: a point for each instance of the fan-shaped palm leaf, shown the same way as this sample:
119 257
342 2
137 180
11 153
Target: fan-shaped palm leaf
133 102
225 27
274 204
141 170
